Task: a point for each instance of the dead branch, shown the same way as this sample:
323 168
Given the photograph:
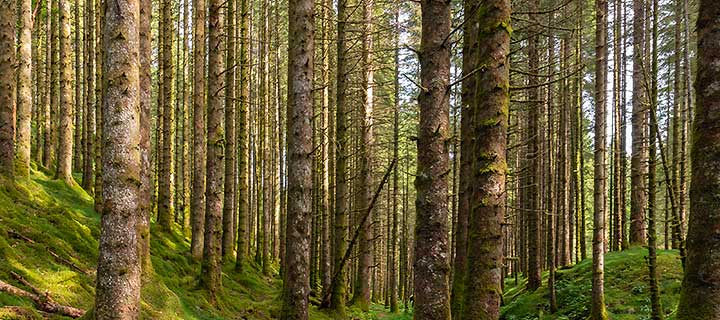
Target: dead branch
42 301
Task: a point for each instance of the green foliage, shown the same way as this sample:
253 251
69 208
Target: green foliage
626 289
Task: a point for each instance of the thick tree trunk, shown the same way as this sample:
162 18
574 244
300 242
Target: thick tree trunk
483 288
118 274
197 202
597 308
432 296
299 114
212 259
700 294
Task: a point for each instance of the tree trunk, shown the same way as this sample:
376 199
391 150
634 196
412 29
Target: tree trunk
228 243
24 89
165 176
483 291
118 274
243 137
65 135
638 170
534 165
432 299
299 114
341 188
8 11
79 112
198 188
597 310
700 297
88 170
146 183
212 259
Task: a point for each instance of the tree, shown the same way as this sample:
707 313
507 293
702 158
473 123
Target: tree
146 182
211 274
65 136
483 288
638 197
165 175
7 84
88 171
24 89
296 287
597 307
242 132
432 297
341 211
118 273
197 201
228 243
700 297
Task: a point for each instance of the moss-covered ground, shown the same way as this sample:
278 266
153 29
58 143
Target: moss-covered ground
627 293
49 236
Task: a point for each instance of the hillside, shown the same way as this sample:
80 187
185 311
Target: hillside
626 289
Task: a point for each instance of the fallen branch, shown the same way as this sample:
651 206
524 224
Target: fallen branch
42 301
326 297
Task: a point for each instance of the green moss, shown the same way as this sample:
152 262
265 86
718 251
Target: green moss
627 294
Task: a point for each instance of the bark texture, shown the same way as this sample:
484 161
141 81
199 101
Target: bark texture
24 89
197 201
7 87
483 288
118 274
700 294
65 128
432 296
296 285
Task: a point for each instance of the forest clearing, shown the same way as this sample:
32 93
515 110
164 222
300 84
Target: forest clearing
360 159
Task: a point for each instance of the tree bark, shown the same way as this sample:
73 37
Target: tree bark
228 242
118 274
638 169
432 296
65 130
212 252
24 89
597 308
146 183
483 288
301 31
242 133
199 138
165 175
700 293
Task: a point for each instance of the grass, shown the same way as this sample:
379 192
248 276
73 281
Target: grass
627 293
60 219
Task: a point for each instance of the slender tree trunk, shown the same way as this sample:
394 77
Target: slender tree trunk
79 112
24 89
432 300
639 123
228 243
483 292
242 133
99 84
656 309
597 310
50 142
165 176
198 192
146 183
341 211
700 296
533 160
212 259
65 136
393 281
88 168
118 274
299 114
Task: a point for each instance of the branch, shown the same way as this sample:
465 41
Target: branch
42 301
348 251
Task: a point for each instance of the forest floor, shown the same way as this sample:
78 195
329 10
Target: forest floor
627 294
49 238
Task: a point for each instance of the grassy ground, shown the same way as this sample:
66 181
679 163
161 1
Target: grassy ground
627 293
49 235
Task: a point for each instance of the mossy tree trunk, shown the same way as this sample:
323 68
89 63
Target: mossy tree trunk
65 128
146 183
24 89
165 176
700 293
228 243
8 12
243 128
197 201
